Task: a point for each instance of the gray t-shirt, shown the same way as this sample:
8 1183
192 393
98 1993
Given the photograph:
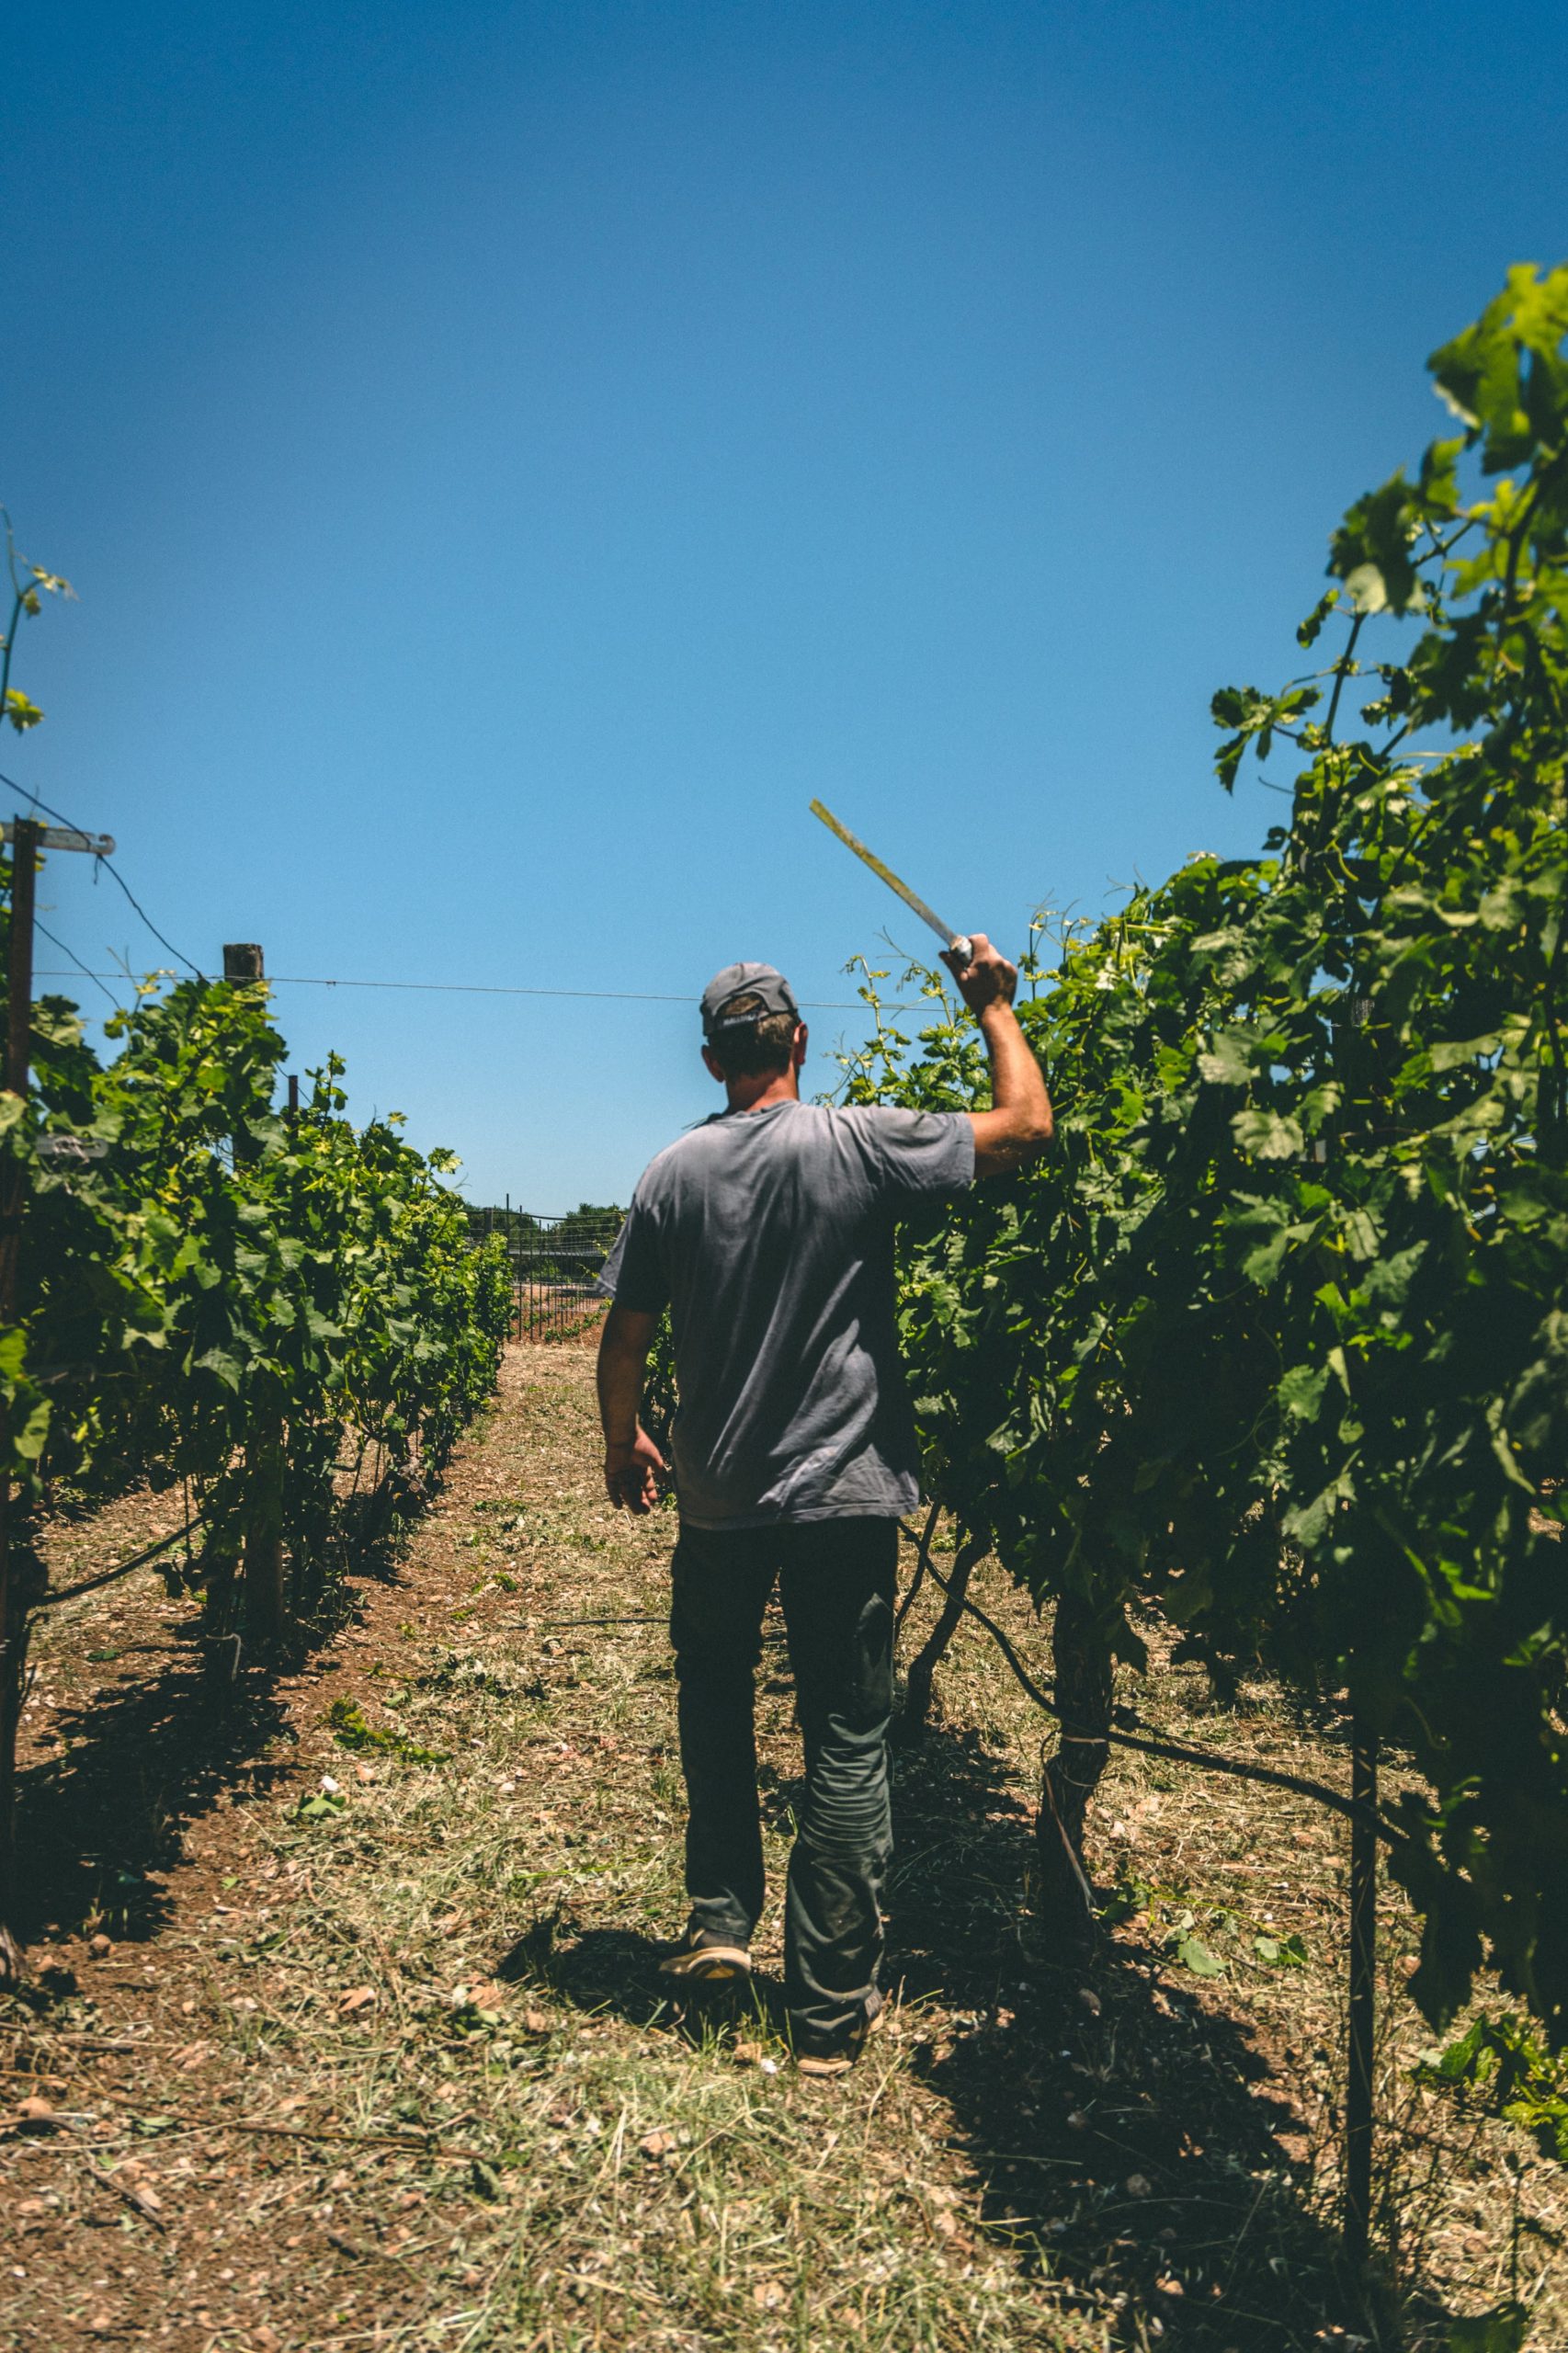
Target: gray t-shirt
769 1235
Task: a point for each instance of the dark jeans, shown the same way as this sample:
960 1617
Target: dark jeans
836 1580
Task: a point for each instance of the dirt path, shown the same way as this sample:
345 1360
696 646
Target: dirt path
401 1910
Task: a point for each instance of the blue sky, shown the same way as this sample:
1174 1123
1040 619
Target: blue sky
510 458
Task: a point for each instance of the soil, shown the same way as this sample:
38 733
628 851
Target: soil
347 2028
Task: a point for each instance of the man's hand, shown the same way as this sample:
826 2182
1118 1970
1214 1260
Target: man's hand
632 1464
631 1473
987 979
1020 1123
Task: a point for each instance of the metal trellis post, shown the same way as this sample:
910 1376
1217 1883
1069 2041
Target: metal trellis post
1363 1994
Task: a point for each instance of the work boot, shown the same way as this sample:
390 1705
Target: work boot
836 2054
702 1958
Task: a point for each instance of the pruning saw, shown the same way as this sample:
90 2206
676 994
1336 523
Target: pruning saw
957 942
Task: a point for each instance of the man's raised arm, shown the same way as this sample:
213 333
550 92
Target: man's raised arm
632 1460
1019 1125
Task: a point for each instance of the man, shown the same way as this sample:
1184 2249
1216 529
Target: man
768 1233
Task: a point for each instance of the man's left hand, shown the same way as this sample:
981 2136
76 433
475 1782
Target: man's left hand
631 1474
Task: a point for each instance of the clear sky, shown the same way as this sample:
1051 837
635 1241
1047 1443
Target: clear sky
511 457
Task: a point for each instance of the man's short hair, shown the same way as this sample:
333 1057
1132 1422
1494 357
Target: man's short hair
752 1043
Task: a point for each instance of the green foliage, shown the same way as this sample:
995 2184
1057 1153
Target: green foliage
215 1297
1498 2063
29 585
212 1296
324 1805
1167 1919
1503 2331
1194 1954
1276 1342
351 1729
659 1395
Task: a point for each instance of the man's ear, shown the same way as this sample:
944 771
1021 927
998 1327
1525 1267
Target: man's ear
715 1069
798 1046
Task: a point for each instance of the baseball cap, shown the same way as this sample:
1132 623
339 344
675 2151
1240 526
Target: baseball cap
762 983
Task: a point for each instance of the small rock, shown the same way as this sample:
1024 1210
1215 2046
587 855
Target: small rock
1139 2185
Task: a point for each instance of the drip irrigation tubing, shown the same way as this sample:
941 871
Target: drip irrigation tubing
1209 1760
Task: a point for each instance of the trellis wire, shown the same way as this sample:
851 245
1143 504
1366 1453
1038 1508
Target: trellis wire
1179 1752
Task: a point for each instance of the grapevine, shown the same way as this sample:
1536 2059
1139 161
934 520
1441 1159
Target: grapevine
241 1307
1274 1348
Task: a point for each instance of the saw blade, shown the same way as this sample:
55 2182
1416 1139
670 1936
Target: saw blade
912 900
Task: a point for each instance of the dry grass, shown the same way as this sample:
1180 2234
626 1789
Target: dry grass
459 1957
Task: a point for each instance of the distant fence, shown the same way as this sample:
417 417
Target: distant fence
555 1262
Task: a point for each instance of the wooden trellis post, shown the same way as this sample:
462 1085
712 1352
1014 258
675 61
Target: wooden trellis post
26 837
264 1570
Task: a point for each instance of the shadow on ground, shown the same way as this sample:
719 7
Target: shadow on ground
617 1970
1123 2133
100 1824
